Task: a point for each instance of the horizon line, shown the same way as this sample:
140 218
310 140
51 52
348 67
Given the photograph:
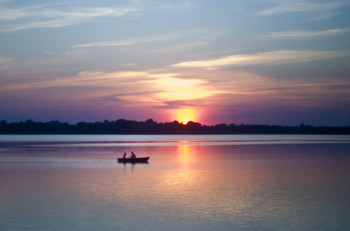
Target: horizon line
185 124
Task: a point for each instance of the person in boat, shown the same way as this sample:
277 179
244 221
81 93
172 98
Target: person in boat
133 156
124 156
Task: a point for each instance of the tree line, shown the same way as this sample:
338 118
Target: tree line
122 126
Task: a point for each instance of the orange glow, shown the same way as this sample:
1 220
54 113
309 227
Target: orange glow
184 177
184 154
185 115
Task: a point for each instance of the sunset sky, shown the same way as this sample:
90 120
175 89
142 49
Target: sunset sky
224 61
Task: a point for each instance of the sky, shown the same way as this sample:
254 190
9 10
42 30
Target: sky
224 61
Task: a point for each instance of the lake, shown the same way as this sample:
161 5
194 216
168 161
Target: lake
192 182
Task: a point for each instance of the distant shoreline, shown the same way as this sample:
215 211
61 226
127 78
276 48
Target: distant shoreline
150 126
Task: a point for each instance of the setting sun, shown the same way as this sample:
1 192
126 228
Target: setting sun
185 115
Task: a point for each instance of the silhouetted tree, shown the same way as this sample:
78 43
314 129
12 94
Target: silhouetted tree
122 126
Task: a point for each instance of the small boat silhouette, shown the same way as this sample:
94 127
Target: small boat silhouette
133 160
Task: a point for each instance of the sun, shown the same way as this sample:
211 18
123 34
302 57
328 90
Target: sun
185 115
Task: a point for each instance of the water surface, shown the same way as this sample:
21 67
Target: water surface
191 183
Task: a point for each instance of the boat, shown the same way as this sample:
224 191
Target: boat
133 160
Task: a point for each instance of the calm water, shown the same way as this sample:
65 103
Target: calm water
191 183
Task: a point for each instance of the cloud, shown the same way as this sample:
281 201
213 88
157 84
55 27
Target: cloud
133 87
42 16
66 13
157 38
133 41
5 63
149 90
265 58
5 60
302 6
304 34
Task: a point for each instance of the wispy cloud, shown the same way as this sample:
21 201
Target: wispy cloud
266 58
153 87
5 60
5 63
43 16
304 34
133 41
198 34
302 6
52 15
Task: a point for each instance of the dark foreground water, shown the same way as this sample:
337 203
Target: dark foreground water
190 183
